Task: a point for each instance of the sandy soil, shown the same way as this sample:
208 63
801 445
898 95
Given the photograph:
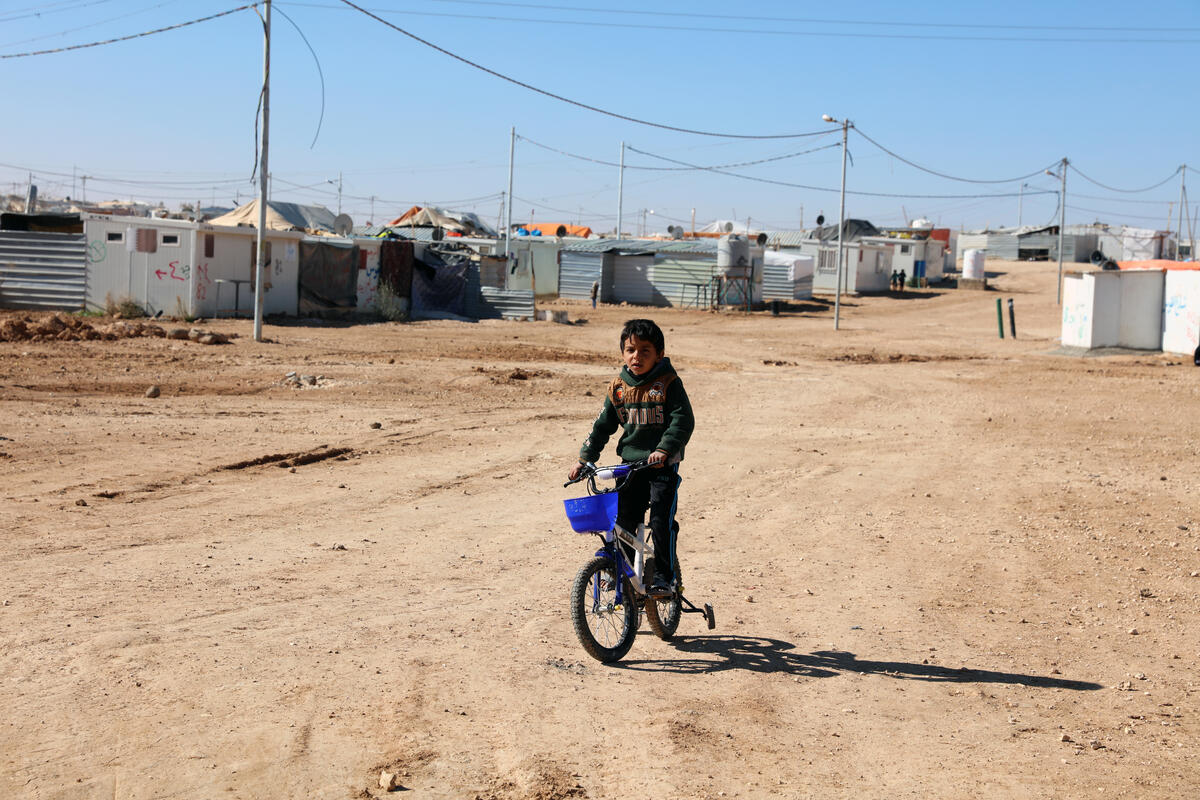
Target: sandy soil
943 564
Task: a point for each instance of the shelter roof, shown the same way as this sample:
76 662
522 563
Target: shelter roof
281 216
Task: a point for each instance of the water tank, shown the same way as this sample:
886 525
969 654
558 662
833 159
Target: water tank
973 265
733 253
922 224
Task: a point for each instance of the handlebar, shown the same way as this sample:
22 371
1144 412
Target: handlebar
618 472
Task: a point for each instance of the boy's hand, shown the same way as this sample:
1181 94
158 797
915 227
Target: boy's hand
573 475
657 459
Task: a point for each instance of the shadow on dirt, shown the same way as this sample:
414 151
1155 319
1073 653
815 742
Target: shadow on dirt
700 654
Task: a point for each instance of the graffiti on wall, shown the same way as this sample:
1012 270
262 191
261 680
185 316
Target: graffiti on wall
174 272
1076 324
1179 314
368 287
97 251
202 281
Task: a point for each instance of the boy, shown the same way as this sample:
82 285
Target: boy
648 401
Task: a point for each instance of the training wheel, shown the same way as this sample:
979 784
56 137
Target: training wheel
710 616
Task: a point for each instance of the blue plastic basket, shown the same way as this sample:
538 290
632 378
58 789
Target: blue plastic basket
596 512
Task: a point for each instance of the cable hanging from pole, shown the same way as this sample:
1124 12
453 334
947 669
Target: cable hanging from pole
673 169
1126 191
569 101
828 189
130 36
915 165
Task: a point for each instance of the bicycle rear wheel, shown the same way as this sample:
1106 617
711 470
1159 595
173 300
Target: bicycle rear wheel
605 629
663 613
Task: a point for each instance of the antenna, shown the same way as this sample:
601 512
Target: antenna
342 224
728 227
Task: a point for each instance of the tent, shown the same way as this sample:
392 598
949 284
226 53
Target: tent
281 217
461 222
552 228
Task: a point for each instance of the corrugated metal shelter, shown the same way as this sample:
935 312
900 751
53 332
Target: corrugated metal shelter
1029 243
42 266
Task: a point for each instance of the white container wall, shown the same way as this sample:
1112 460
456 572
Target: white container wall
1181 312
148 261
1113 309
368 274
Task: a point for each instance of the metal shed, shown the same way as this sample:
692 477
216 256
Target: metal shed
42 268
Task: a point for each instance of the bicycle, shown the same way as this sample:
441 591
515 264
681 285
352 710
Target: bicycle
609 592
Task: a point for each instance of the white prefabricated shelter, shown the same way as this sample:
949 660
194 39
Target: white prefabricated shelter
185 269
1113 308
866 267
1181 311
919 258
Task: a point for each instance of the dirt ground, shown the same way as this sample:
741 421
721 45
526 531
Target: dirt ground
943 564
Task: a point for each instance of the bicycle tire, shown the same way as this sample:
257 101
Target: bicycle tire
617 626
663 613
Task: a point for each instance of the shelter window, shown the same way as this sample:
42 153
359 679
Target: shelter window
209 245
170 240
905 248
115 236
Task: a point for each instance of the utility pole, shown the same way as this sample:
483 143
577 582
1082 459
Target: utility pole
620 190
1182 212
1020 200
261 261
693 223
83 179
802 216
512 146
1062 218
837 298
339 192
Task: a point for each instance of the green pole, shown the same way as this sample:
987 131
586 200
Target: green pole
999 318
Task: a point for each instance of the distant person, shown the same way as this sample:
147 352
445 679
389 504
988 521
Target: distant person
595 292
903 276
647 400
895 278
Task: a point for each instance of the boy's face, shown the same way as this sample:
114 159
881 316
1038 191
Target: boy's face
640 355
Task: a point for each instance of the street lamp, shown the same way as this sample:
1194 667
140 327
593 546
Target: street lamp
837 298
1062 217
1020 200
645 211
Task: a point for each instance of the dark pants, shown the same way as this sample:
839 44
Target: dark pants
658 490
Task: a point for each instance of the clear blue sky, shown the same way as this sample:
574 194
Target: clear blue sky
987 91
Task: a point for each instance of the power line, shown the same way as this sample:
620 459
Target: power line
48 8
829 189
811 20
131 36
674 169
576 103
943 174
1117 214
1125 191
773 31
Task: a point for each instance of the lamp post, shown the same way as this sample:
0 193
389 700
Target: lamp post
1020 201
645 211
1062 217
837 298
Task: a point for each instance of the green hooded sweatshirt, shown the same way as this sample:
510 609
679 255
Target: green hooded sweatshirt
653 410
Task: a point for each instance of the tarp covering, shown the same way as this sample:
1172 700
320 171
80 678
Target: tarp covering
41 223
439 285
328 277
464 222
281 217
551 229
396 267
854 229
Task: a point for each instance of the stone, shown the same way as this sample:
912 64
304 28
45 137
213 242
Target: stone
177 333
311 380
376 426
212 338
1096 744
387 781
81 502
153 391
1065 738
194 334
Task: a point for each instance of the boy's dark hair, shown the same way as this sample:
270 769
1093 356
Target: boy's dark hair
646 330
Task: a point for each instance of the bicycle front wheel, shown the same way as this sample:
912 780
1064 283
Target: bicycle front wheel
605 628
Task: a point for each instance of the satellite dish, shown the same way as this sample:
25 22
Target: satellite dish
820 219
342 224
728 226
761 239
677 233
438 234
561 230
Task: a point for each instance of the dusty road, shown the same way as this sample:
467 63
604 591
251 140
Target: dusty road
944 565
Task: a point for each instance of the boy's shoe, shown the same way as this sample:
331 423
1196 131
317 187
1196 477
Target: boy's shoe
660 587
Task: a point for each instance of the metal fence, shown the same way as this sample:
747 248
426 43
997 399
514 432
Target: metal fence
43 270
